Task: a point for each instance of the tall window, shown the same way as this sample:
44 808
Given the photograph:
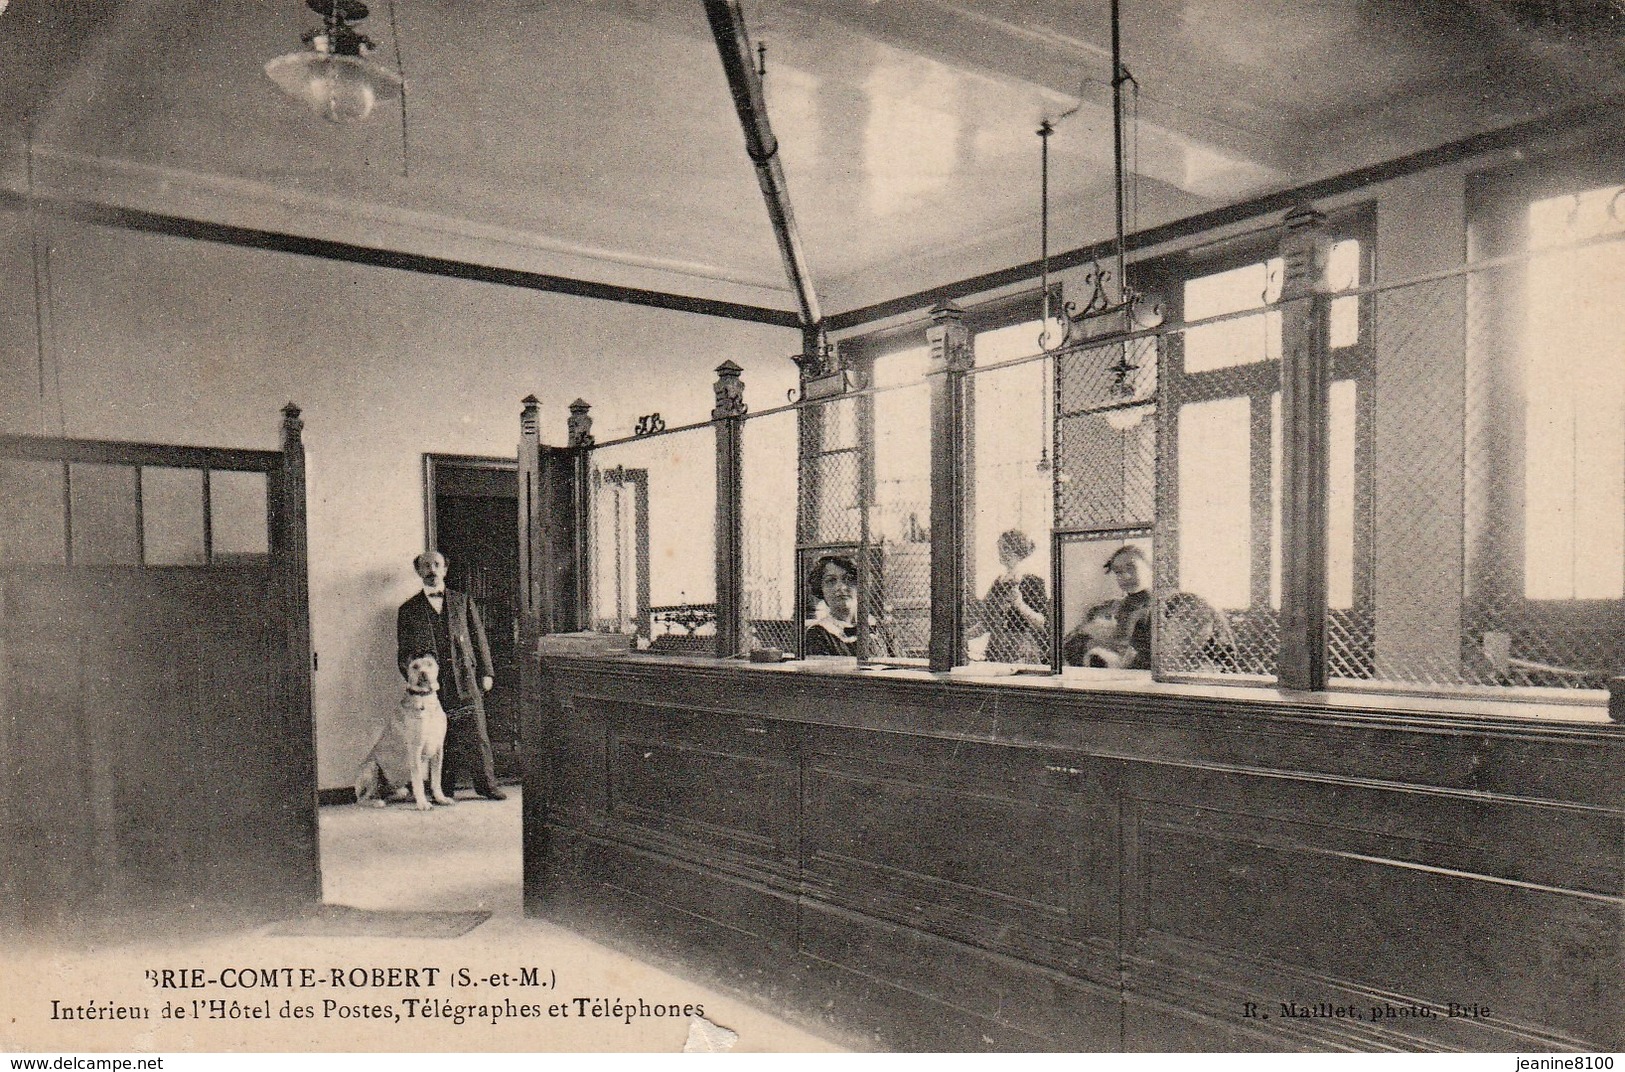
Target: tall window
1574 419
1223 459
1544 524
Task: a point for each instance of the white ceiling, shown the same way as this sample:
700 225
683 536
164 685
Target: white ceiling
596 139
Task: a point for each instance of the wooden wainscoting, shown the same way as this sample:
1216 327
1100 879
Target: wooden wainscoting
925 863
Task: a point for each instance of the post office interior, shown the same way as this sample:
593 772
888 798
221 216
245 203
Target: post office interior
662 308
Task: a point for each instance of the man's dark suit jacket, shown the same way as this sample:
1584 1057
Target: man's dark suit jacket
414 636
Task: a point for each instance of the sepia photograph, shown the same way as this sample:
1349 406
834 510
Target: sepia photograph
794 527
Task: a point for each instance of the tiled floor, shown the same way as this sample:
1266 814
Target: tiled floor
465 857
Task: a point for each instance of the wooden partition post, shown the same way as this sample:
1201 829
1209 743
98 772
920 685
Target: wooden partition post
728 416
1305 364
552 529
531 566
579 428
951 357
290 529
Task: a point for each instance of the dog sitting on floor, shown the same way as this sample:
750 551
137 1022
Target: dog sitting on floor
411 745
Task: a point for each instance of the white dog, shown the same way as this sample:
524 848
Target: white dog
410 747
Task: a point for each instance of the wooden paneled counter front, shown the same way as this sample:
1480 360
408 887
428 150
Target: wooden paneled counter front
929 862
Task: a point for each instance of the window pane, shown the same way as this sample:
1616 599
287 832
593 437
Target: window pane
1574 464
834 516
1012 493
172 516
32 525
237 517
1275 499
1343 273
1013 341
1233 342
106 528
768 524
1340 496
840 424
900 521
1215 527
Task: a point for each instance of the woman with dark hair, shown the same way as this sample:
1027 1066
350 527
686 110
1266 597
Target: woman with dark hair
1016 610
833 584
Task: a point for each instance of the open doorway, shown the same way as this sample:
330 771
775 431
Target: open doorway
471 512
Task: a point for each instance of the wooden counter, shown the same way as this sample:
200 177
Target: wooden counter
928 862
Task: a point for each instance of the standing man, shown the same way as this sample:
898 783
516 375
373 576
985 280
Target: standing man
447 624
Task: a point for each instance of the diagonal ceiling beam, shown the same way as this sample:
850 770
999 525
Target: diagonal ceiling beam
728 27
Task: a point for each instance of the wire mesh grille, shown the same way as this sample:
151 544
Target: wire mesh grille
1009 506
1106 441
1475 493
865 498
1217 535
768 521
899 524
652 551
1497 469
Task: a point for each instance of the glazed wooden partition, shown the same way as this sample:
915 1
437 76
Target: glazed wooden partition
154 698
925 862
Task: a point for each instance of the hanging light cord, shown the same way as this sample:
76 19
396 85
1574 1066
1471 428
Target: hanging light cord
400 69
44 332
1045 129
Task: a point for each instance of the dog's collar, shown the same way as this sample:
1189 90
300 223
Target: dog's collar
419 692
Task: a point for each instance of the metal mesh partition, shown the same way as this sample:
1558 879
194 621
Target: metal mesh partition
899 523
768 615
1217 543
866 499
1104 495
1009 502
652 550
1106 436
1496 466
833 490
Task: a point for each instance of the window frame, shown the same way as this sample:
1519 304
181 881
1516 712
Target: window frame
1166 277
1497 206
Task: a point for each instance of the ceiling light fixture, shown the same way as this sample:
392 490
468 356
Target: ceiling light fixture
331 75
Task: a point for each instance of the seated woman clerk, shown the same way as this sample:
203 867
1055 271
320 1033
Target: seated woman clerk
833 585
1015 614
1196 637
1117 633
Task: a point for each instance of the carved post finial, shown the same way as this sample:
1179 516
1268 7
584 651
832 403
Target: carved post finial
292 427
1305 215
580 424
1304 248
730 392
530 421
949 339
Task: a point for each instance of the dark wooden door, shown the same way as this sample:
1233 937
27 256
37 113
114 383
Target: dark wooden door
154 694
476 511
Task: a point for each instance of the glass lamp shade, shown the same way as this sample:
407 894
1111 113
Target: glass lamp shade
1127 419
341 89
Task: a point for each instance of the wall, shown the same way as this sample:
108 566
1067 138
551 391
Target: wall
172 340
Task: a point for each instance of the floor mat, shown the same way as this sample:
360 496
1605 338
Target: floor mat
345 921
